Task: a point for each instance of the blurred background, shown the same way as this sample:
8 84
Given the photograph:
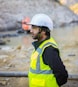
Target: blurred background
15 38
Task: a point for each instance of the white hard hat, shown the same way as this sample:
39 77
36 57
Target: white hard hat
42 20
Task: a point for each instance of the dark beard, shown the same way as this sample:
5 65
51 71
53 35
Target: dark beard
37 36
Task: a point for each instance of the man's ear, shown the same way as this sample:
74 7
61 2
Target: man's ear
42 31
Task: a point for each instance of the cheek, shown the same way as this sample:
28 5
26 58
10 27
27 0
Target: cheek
35 31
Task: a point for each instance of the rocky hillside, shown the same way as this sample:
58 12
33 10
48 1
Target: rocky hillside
13 11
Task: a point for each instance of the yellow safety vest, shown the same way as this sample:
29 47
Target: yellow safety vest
40 74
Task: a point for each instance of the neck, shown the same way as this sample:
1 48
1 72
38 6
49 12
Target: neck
42 38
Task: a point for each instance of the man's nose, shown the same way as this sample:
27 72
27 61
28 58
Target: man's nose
30 30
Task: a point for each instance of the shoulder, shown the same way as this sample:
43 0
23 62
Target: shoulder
51 49
50 54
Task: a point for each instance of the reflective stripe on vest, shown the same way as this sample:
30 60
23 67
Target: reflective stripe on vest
38 70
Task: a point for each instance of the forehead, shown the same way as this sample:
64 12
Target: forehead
34 27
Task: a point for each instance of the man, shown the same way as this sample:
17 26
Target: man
46 67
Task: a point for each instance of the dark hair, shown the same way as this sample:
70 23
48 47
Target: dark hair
46 29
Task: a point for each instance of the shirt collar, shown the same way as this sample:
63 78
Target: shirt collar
36 44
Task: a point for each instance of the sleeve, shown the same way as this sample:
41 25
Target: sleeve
51 57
